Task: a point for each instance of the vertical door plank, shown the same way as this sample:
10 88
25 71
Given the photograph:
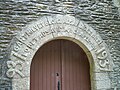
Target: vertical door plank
76 67
45 65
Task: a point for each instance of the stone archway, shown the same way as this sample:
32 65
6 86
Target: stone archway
48 28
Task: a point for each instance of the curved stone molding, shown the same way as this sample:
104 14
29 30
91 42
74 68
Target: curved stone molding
47 28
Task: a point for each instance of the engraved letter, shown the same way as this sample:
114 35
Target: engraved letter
14 67
102 56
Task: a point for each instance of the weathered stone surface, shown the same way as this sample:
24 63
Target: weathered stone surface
103 85
22 83
117 4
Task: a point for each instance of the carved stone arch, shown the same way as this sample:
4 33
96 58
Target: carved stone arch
48 28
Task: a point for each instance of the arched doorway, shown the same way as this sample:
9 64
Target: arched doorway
60 65
49 28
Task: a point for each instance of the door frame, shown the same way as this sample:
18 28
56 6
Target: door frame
47 28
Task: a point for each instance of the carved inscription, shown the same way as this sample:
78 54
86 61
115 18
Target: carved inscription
83 35
30 32
18 57
17 49
14 67
15 54
17 46
58 28
36 33
90 31
102 57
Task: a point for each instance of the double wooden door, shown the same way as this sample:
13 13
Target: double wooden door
60 65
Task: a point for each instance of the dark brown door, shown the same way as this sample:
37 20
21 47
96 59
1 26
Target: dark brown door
60 65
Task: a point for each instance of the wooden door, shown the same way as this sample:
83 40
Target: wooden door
60 65
75 67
